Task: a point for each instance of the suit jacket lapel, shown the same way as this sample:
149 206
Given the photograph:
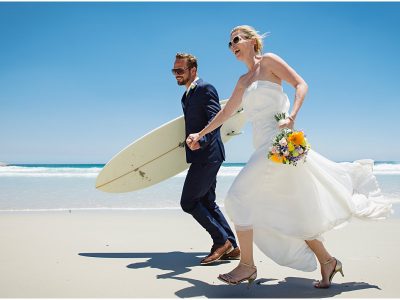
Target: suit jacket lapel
183 101
190 92
193 88
185 98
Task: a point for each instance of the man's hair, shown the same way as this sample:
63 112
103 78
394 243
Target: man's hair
191 59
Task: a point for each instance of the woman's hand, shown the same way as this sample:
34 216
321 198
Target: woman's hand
286 123
193 141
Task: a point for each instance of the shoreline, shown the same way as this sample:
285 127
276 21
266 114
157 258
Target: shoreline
394 215
156 254
89 209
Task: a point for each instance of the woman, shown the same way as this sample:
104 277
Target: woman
286 209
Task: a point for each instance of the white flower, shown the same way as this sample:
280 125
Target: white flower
273 150
286 153
300 150
283 142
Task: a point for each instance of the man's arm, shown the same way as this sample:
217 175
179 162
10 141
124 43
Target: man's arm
212 108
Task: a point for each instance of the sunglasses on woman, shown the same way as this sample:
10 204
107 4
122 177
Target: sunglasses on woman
179 71
235 40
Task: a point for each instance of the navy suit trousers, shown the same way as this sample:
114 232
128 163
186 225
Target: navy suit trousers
198 199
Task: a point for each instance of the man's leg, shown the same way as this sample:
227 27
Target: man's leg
209 202
197 184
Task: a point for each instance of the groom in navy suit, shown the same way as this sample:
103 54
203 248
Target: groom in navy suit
200 104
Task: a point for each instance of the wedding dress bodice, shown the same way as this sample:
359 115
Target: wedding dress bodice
261 101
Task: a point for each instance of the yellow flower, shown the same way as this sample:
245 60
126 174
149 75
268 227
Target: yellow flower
276 158
304 144
290 146
297 138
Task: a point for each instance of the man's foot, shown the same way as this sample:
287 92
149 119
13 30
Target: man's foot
232 255
217 251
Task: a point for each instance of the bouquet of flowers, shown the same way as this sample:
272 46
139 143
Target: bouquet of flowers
289 146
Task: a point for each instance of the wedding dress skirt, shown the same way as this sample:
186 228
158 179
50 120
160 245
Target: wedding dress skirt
286 205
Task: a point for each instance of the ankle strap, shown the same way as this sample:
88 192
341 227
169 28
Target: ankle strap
249 266
329 261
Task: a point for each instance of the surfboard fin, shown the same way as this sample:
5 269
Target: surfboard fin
233 133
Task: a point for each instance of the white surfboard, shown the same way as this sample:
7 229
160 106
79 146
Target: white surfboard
158 155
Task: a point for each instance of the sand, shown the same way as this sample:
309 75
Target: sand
156 254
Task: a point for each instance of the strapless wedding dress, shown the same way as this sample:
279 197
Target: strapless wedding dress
286 205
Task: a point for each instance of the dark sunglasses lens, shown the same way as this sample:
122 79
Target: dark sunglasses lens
235 40
178 71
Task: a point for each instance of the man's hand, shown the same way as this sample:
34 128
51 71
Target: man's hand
193 141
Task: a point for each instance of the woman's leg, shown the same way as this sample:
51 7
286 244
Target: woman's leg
245 238
246 267
327 262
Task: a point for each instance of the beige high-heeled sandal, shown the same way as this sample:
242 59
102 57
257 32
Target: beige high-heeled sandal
229 279
338 268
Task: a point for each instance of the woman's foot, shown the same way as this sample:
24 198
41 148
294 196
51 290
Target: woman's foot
239 274
328 270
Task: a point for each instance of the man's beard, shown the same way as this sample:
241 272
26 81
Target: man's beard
183 81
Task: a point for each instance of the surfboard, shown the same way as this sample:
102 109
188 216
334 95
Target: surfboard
156 156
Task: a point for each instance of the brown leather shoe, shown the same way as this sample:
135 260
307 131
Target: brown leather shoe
234 254
217 251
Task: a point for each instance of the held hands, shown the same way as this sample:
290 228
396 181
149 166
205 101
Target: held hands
193 141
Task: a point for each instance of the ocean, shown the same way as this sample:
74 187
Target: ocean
57 187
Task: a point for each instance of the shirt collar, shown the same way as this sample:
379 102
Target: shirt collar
192 85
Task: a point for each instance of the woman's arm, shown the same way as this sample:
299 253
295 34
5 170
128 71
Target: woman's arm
282 70
224 114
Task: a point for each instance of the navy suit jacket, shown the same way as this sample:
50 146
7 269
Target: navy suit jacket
199 107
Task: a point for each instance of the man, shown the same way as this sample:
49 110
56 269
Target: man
200 104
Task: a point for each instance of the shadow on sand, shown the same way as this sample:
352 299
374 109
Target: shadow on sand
178 263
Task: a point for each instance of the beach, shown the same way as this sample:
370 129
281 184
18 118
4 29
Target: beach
62 238
156 254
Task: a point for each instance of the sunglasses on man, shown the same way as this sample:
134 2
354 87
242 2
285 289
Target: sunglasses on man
179 71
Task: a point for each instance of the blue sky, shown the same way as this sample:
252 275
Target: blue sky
80 81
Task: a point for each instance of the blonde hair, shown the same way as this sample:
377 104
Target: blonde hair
250 33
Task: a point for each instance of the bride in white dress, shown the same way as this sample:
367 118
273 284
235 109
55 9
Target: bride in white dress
285 209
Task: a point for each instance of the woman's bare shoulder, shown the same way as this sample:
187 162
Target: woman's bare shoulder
270 57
